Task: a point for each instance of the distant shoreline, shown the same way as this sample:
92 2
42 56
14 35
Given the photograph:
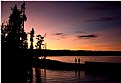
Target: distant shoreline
38 52
78 53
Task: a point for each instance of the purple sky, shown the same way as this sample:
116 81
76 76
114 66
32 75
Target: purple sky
84 25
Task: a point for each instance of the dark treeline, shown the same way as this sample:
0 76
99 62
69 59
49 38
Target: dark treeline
37 52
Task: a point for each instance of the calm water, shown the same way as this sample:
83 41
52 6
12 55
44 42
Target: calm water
56 76
71 59
59 76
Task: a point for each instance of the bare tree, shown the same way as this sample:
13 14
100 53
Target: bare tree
40 41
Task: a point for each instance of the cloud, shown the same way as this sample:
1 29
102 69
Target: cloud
106 19
59 35
87 36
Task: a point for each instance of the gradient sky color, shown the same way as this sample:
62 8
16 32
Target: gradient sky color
84 25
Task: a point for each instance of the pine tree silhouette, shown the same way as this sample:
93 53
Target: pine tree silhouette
13 34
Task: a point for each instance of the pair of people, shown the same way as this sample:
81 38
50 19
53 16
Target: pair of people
77 61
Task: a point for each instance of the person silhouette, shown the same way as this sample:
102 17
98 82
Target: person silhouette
75 60
79 60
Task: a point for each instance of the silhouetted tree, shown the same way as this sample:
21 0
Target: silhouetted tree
13 34
31 38
40 39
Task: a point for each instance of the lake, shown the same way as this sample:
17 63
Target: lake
71 59
75 76
59 76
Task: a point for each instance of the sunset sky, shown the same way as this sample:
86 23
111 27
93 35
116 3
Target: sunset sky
72 25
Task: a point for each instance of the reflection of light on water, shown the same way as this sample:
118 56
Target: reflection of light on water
80 75
38 78
33 76
59 76
43 75
71 59
54 76
63 76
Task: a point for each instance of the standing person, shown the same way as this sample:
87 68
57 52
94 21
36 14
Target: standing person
75 60
79 60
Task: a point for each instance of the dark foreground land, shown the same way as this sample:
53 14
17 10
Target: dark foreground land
17 64
14 65
89 66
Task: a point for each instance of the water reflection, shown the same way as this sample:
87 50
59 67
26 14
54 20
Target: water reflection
80 75
63 76
43 74
51 76
36 76
56 76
